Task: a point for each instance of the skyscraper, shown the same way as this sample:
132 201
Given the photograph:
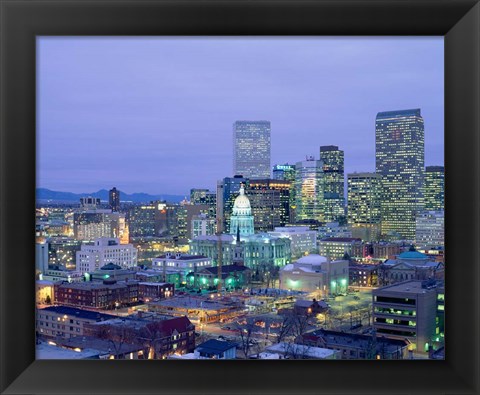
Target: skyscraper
251 146
309 190
333 183
364 200
141 220
270 202
435 188
204 196
287 172
114 199
399 154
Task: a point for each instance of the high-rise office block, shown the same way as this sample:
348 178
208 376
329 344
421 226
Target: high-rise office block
251 145
270 201
89 203
141 220
93 224
41 257
185 214
430 230
309 190
166 219
364 205
333 183
434 188
286 172
198 195
114 199
204 196
399 154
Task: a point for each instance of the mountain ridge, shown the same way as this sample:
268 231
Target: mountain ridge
136 197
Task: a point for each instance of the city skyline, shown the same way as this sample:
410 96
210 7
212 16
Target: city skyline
125 133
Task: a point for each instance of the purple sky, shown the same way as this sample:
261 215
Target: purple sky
155 115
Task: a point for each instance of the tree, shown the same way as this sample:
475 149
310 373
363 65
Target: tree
299 325
297 351
285 328
117 337
247 340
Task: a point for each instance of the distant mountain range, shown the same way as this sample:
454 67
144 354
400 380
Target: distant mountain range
47 194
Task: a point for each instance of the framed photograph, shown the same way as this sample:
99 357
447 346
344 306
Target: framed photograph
336 220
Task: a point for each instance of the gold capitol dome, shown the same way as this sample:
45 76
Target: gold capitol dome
241 201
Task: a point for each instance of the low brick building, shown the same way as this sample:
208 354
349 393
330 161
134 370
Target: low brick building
150 290
66 322
99 295
355 346
163 336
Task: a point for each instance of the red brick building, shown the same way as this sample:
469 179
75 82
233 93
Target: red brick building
99 295
161 336
148 291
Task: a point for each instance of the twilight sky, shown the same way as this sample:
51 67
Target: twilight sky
155 115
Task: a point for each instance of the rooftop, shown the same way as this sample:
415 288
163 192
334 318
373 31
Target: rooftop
190 303
79 313
100 345
51 351
97 285
341 239
226 269
301 350
411 287
162 325
313 259
412 255
182 257
215 346
111 266
352 339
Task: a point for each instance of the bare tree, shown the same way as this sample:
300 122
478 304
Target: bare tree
285 328
245 333
296 351
299 325
117 337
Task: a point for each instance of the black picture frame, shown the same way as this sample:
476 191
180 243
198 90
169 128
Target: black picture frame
22 21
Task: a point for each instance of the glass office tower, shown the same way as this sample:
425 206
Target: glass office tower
399 155
364 205
251 145
435 188
309 190
333 183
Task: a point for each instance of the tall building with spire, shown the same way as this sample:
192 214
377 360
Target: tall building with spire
251 146
400 161
241 221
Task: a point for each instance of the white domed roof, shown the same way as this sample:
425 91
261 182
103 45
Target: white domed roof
241 202
312 259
